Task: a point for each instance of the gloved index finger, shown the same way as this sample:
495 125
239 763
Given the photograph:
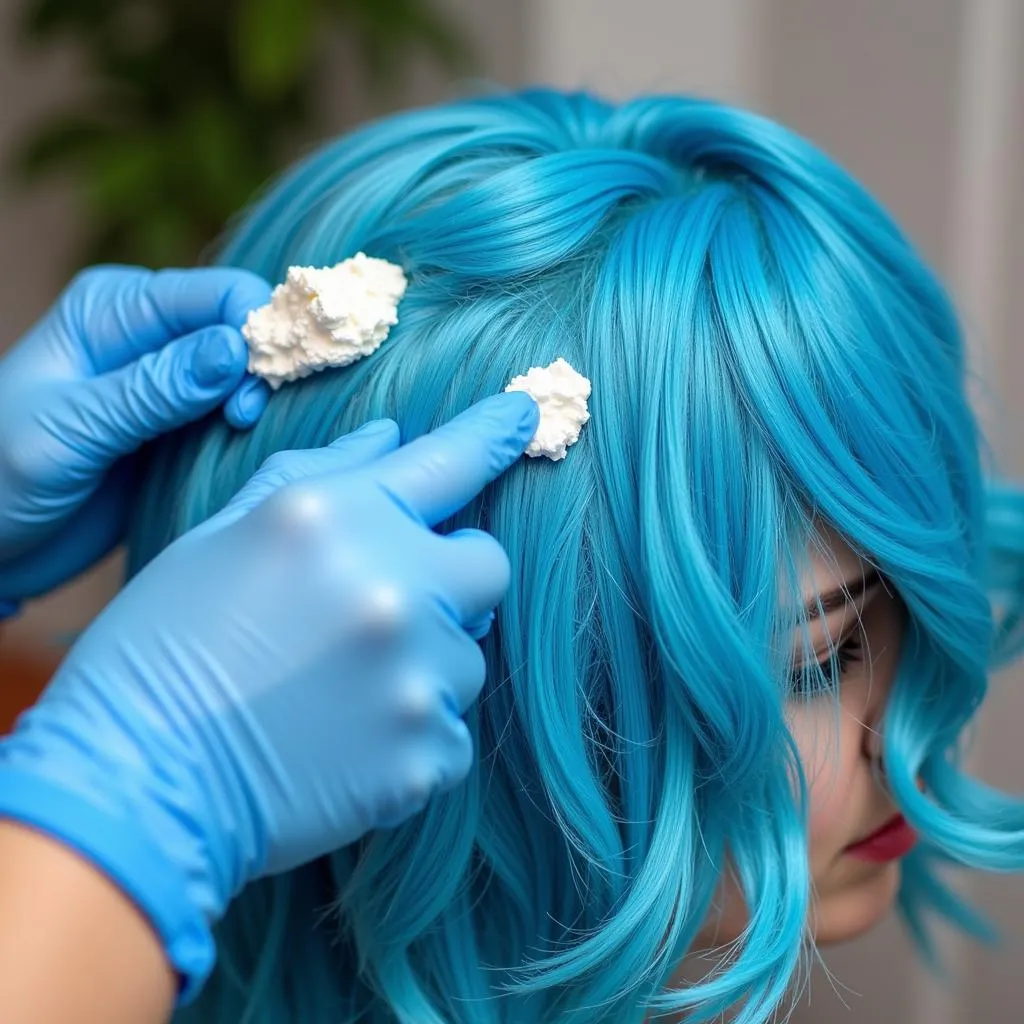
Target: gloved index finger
439 473
122 313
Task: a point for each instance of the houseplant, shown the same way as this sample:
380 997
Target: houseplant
192 104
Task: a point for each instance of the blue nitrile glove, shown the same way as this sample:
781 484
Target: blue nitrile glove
279 681
124 355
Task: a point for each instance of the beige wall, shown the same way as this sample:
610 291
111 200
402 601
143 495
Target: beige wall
920 99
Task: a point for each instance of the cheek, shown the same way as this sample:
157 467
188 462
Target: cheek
827 742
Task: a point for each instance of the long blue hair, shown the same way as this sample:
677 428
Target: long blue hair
768 355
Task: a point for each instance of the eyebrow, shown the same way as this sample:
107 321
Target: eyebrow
846 593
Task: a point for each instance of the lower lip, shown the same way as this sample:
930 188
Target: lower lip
890 842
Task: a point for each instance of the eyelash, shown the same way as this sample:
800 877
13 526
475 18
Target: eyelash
825 676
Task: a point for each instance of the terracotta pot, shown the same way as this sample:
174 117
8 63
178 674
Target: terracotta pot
23 674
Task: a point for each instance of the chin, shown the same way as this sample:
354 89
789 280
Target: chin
858 907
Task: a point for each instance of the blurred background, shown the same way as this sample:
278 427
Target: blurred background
132 128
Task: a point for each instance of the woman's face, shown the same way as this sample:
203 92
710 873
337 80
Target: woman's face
854 883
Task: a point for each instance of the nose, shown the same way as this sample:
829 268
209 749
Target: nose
881 666
873 745
873 716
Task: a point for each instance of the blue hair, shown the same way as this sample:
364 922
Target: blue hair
768 354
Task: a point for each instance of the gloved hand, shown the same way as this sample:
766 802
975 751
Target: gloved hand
124 355
279 681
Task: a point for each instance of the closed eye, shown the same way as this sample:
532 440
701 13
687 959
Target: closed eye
822 677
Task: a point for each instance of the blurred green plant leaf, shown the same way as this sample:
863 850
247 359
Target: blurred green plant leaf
61 141
216 151
273 43
42 18
125 175
193 104
164 238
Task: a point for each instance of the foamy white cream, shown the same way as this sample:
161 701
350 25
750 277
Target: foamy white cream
562 393
322 317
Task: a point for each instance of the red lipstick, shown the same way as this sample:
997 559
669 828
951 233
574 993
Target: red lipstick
893 840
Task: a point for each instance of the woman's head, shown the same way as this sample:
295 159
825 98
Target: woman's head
848 637
778 413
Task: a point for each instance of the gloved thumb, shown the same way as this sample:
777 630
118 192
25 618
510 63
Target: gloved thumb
352 451
162 391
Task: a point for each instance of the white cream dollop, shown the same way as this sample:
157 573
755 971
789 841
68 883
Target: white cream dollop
562 393
322 317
